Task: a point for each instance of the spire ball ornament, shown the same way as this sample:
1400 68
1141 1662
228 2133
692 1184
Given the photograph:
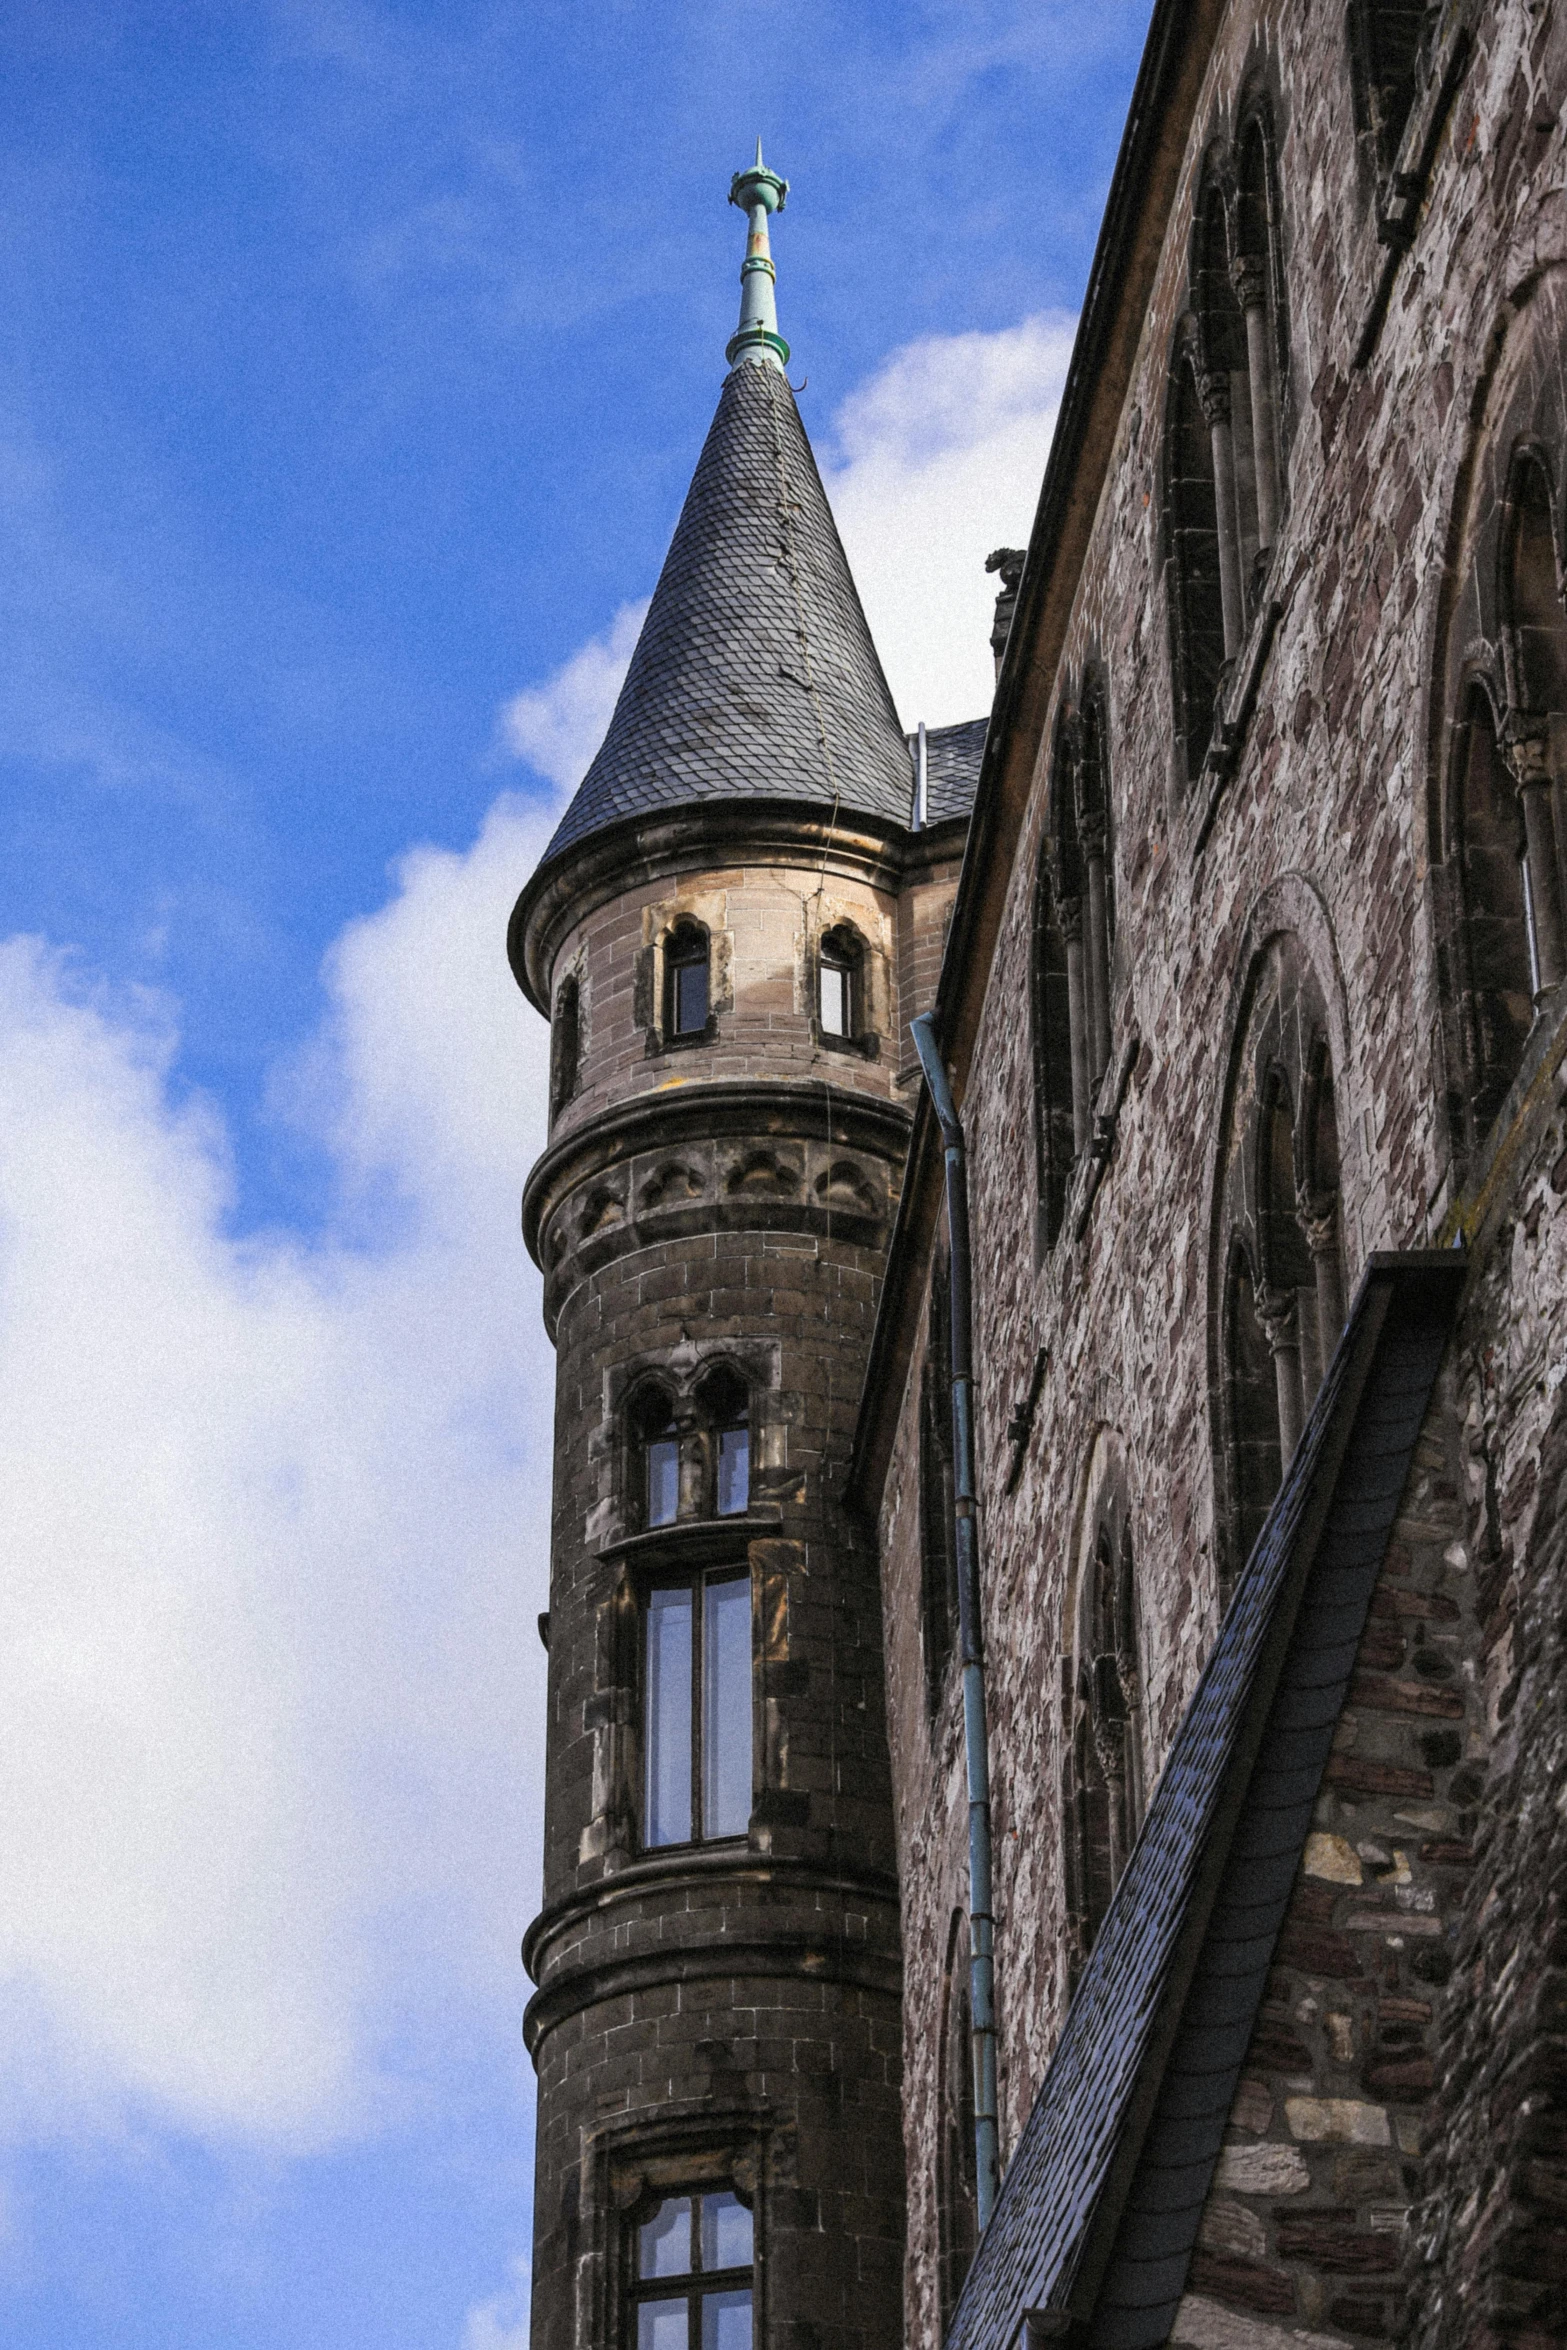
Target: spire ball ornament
756 342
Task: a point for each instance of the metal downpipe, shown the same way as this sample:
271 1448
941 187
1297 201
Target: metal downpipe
976 1737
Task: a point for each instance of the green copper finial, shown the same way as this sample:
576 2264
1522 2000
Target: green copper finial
757 341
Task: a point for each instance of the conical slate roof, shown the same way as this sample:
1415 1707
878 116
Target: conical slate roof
754 677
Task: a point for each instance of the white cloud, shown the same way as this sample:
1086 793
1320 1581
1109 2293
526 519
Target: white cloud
501 2324
559 725
940 458
273 1516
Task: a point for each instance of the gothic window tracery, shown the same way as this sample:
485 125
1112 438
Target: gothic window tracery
1072 948
1103 1792
1499 813
1224 424
1278 1244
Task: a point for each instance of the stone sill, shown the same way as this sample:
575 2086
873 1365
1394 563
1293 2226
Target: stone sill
695 1540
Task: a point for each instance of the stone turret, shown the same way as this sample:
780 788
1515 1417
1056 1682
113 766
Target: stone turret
731 928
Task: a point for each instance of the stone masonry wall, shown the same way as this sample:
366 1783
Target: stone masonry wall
1324 830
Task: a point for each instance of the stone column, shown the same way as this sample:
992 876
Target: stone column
1070 911
1250 279
1319 1222
1213 389
1276 1311
1528 755
1091 834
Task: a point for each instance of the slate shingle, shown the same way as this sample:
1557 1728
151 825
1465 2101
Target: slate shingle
755 676
952 757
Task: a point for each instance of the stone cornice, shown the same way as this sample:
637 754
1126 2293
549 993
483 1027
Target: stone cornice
815 1946
814 1111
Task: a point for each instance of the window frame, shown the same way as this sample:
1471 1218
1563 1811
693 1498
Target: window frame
688 946
697 1579
694 2284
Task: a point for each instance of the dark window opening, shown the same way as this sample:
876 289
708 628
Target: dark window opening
565 1045
1384 52
694 2272
696 1714
1105 1793
1251 1396
938 1543
687 991
656 1446
726 1408
1499 975
839 961
1196 603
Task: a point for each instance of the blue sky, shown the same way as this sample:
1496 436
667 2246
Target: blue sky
353 362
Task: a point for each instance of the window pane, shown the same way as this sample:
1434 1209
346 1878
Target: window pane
669 1717
835 999
734 1470
664 2241
726 2232
663 1480
690 997
726 1708
663 2325
726 2321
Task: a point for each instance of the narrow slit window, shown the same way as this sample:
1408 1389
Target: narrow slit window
697 1709
734 1471
837 971
694 2275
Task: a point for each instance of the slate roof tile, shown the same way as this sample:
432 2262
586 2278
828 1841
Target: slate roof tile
754 676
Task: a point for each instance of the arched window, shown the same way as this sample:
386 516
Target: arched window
1196 602
725 1404
1255 275
1278 1247
1251 1398
938 1543
1223 455
957 2197
1384 50
1499 976
687 981
1104 1790
1074 927
565 1045
655 1455
840 979
1536 621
